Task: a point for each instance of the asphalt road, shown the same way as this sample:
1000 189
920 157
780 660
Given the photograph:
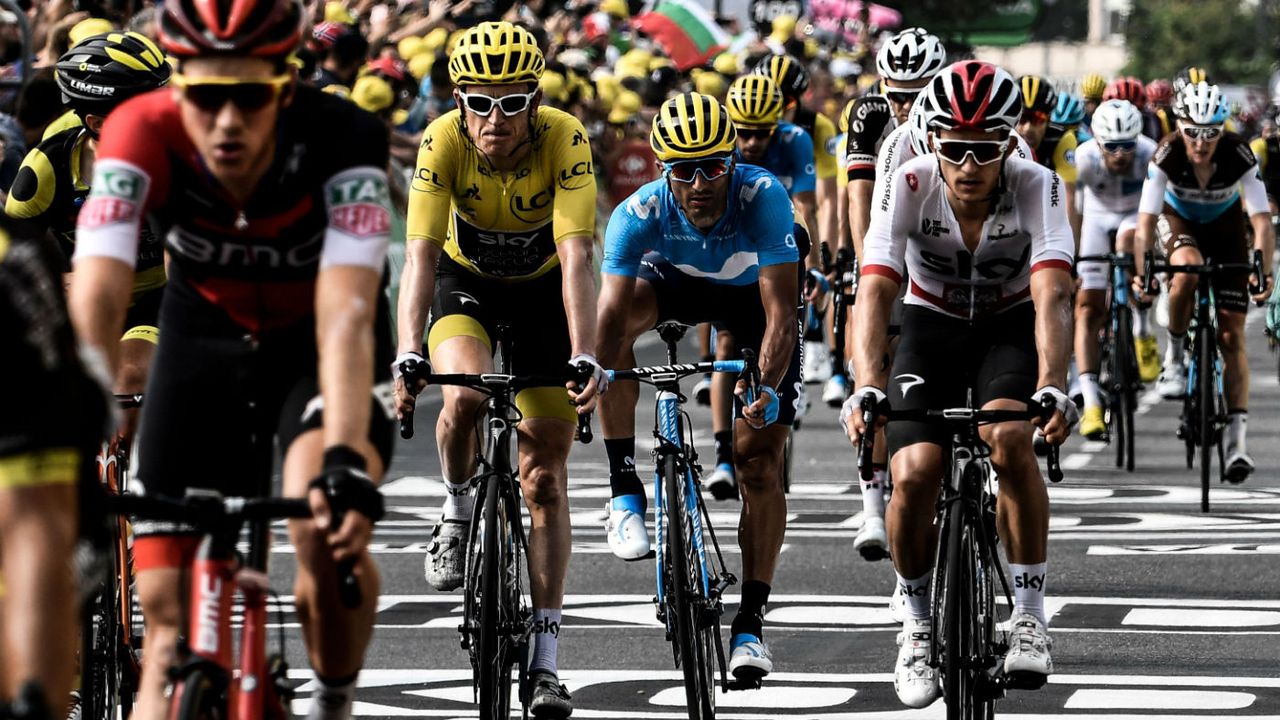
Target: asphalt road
1158 611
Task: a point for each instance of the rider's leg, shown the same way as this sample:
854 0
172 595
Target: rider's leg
131 378
455 427
618 406
1023 506
336 636
1236 380
722 400
1182 289
1090 315
917 470
162 593
544 444
762 525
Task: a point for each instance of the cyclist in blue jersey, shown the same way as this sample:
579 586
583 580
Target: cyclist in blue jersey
713 240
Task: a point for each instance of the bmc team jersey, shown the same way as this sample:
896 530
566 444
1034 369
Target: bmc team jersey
757 230
321 203
914 232
898 149
1172 180
503 225
870 121
1105 192
790 158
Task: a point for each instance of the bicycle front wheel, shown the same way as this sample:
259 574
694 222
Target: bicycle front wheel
695 631
1126 380
1206 390
199 696
494 654
962 632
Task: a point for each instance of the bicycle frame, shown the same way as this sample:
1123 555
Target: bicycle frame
1204 320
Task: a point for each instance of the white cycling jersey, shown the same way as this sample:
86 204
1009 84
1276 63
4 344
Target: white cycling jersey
1110 204
897 149
914 232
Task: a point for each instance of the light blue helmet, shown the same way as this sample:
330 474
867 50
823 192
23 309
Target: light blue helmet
1069 111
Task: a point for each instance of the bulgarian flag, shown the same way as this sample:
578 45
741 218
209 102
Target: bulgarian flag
685 30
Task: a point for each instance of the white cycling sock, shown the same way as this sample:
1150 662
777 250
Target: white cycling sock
917 594
458 502
333 702
1236 426
1173 351
546 639
873 494
1028 589
1089 389
1142 322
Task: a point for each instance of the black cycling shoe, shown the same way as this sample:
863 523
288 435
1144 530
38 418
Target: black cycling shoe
550 700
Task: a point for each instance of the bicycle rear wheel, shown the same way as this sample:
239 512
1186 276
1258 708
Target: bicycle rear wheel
695 632
1205 391
498 610
1125 367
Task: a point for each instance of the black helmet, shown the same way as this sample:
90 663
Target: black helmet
788 73
103 71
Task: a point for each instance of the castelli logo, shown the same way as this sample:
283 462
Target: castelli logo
913 182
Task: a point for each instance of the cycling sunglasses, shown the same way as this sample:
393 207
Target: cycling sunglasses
755 133
1120 147
902 96
1035 116
510 105
248 94
686 171
984 152
1206 133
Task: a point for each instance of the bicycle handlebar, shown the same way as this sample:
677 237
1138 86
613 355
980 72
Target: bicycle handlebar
680 371
1151 267
1124 260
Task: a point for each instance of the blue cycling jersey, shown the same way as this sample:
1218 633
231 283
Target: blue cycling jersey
756 230
790 158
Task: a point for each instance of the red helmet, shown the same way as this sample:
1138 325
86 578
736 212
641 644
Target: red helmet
1126 88
389 68
1160 92
254 28
324 35
972 95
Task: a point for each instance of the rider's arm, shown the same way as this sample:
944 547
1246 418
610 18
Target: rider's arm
430 207
1149 207
578 287
779 290
1064 160
804 182
1255 199
860 192
1052 255
826 168
573 223
805 206
883 268
351 263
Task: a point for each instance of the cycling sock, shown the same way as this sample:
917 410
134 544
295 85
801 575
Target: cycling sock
724 447
1237 420
622 467
458 501
873 492
916 593
1089 389
1173 352
333 699
836 366
750 617
546 639
1028 589
1142 321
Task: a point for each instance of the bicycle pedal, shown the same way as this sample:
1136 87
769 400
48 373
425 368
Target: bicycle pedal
1024 680
874 553
745 683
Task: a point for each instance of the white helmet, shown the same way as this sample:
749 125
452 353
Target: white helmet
1117 121
912 54
919 131
1201 104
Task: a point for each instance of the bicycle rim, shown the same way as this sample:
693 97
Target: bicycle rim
696 655
494 656
959 677
100 633
1126 368
198 696
1208 412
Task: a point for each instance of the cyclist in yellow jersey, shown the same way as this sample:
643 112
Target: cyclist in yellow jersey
95 76
503 200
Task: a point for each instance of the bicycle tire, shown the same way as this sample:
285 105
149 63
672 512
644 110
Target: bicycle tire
787 457
692 636
959 683
199 695
100 637
1208 410
494 657
1126 369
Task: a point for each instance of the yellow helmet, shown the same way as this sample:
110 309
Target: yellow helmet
496 53
754 100
691 126
1092 86
373 94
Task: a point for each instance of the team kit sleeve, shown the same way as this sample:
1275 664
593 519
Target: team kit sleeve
866 120
574 211
629 232
130 177
1254 192
772 220
885 244
33 188
431 190
1153 189
1052 243
803 176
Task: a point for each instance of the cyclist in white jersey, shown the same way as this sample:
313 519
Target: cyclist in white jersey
985 240
1110 171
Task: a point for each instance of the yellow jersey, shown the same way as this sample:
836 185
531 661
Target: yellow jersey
825 147
503 225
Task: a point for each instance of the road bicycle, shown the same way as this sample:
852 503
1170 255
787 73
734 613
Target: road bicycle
110 644
208 682
496 618
690 581
1204 411
1118 375
968 646
844 286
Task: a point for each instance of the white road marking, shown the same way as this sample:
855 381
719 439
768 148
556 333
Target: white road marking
1201 617
1109 699
1217 549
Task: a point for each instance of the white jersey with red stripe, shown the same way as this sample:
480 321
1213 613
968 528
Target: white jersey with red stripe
898 149
914 232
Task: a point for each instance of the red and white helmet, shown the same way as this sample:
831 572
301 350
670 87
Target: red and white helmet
972 95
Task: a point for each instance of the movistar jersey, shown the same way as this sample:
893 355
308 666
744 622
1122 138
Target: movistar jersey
756 230
790 158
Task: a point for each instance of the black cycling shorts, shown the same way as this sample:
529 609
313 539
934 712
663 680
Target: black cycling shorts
219 403
537 328
734 308
940 357
1221 240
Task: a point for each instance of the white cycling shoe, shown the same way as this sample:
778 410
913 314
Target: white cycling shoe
835 392
627 534
1172 383
916 684
721 483
750 658
817 362
1028 663
872 542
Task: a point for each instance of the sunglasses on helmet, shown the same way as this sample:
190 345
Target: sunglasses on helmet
1119 147
984 152
686 171
248 94
1202 132
510 105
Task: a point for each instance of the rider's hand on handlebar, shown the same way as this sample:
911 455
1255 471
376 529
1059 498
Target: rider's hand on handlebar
851 418
1065 415
1268 280
1139 288
759 409
406 396
351 538
817 286
585 397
